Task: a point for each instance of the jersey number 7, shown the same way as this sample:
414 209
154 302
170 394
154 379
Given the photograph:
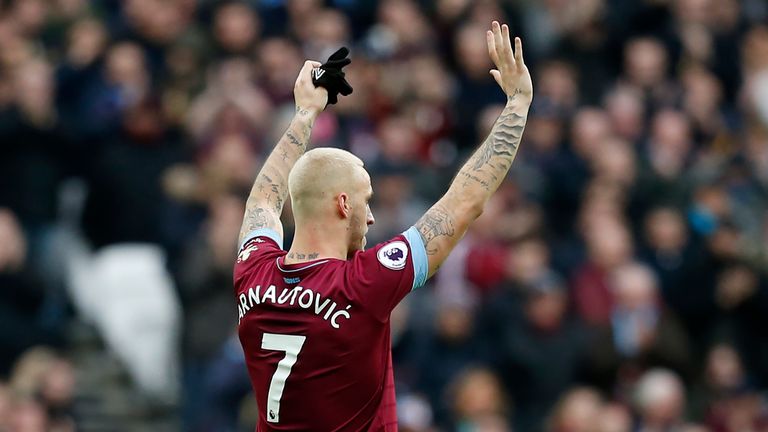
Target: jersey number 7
291 345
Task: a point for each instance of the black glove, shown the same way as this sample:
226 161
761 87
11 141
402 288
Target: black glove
331 77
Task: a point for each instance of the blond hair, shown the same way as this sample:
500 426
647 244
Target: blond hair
319 176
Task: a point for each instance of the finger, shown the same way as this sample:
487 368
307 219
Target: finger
507 53
497 40
339 54
519 51
492 48
306 70
344 88
337 64
497 76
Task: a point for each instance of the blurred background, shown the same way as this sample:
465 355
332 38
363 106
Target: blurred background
616 282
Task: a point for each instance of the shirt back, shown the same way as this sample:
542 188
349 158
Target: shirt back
316 335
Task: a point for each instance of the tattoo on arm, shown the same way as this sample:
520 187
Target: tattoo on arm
255 218
436 223
502 142
292 138
471 177
270 190
299 138
447 221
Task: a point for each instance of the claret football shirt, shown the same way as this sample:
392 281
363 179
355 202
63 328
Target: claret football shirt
316 335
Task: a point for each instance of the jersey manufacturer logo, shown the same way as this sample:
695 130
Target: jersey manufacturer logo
246 253
319 73
393 255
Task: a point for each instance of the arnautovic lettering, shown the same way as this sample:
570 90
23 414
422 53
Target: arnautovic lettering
299 297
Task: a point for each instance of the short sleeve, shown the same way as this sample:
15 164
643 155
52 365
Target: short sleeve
258 247
263 233
382 276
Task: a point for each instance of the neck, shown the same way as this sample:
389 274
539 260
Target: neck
316 241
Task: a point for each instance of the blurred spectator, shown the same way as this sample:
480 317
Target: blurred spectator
414 414
478 402
446 350
394 205
476 86
235 28
21 296
42 392
614 417
276 56
579 410
679 263
32 156
28 415
208 310
642 333
659 399
230 104
557 83
531 351
662 178
5 406
729 400
609 245
702 100
567 172
625 108
324 33
646 64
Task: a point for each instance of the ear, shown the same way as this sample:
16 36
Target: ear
342 204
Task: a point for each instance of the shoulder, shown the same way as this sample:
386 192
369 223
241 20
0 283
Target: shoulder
257 248
394 254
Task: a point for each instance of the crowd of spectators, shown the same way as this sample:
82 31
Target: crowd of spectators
618 281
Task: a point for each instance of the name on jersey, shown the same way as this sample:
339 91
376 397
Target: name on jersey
299 297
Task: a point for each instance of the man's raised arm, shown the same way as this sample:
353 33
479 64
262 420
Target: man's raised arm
445 223
270 190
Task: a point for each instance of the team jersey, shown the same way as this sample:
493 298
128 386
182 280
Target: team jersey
316 335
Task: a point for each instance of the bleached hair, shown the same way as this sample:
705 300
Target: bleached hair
319 175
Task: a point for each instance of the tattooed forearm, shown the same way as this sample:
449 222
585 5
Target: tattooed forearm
300 136
436 223
270 190
500 147
445 223
488 166
294 140
471 178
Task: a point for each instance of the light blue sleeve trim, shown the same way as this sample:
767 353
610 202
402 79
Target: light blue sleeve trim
418 257
263 232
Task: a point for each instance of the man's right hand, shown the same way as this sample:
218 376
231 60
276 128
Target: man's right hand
511 73
310 100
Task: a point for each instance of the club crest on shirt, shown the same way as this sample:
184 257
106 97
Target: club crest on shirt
245 253
393 255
